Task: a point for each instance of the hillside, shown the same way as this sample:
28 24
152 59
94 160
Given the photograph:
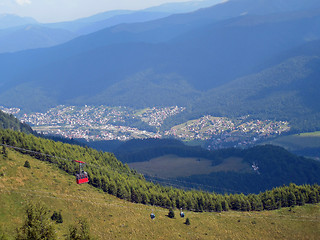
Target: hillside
110 175
112 218
285 91
8 121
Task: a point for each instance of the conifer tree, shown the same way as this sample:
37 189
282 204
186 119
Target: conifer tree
187 222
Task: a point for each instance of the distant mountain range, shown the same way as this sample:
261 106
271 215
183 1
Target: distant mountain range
32 36
21 33
11 20
236 58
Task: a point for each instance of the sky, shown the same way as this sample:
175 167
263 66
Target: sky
64 10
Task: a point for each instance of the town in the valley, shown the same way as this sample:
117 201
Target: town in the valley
122 123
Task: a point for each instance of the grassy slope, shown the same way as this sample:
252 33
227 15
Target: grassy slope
111 218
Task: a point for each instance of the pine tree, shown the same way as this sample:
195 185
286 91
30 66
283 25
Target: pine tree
187 222
291 199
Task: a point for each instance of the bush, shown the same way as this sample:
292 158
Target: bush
171 213
56 216
37 224
4 152
27 164
3 236
80 231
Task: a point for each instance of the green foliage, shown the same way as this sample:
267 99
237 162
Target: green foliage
187 222
4 151
3 236
27 164
171 213
37 224
79 231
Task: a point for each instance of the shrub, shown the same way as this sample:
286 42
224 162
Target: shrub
27 164
56 216
171 213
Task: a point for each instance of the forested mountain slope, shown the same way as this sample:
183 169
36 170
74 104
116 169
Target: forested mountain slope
284 88
8 121
110 175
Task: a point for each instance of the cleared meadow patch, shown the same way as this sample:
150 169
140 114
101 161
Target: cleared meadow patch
172 166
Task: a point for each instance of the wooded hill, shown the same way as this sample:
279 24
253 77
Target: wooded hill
110 175
8 121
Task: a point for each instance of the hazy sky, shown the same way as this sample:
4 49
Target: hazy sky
62 10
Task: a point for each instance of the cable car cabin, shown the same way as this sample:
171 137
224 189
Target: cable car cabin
82 176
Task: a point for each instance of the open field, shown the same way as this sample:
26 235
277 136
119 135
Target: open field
298 141
111 218
310 134
172 166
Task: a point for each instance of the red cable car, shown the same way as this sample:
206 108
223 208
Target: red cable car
82 176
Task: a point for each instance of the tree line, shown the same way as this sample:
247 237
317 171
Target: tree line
107 173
